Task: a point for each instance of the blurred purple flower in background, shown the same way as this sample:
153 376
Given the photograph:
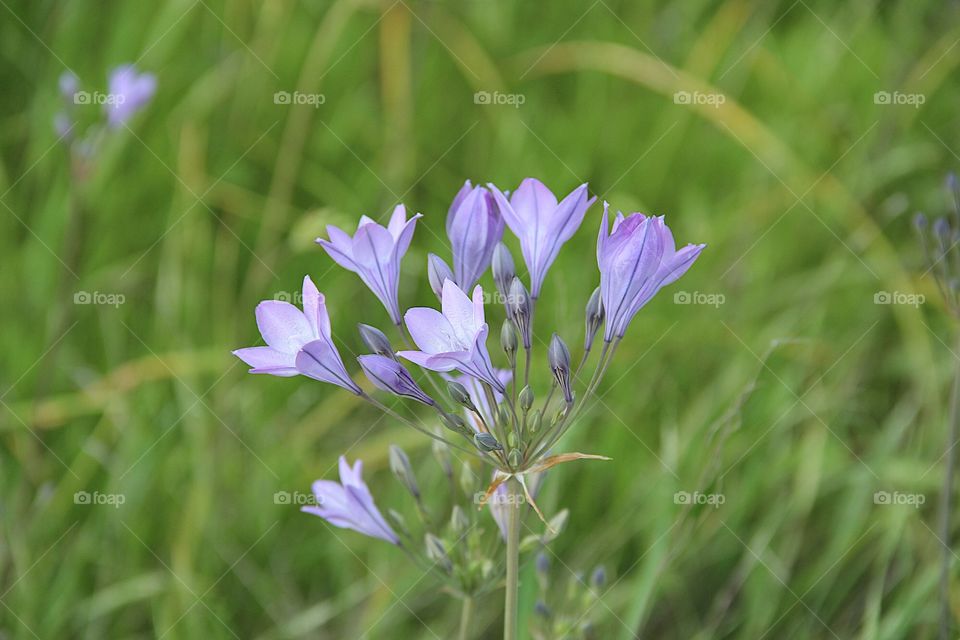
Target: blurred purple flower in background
129 92
68 84
298 342
454 339
349 505
636 260
389 375
474 227
374 253
541 224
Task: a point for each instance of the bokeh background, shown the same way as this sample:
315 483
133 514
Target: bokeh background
783 381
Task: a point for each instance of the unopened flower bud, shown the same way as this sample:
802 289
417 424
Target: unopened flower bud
376 341
534 422
919 221
594 318
941 227
543 563
559 358
519 309
503 269
526 398
508 341
556 525
458 520
437 272
503 415
460 395
456 424
398 522
486 442
599 577
514 458
400 466
69 84
437 552
441 452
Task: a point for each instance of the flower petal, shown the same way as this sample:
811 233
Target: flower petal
283 326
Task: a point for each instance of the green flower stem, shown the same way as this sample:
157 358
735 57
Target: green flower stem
513 561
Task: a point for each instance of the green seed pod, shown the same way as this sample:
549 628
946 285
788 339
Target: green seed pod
486 442
533 423
526 398
460 395
514 458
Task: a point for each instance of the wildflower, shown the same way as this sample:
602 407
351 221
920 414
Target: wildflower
474 226
541 224
389 375
130 92
349 505
636 260
374 253
453 339
298 342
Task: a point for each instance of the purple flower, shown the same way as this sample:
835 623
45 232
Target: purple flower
541 224
68 84
129 92
374 253
454 339
349 505
389 375
636 260
474 227
298 342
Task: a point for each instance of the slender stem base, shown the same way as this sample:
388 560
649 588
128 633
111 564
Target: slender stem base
513 561
466 617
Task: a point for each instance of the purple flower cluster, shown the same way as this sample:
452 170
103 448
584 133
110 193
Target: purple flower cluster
636 258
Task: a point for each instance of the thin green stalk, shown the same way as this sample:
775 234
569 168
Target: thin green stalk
513 562
466 617
946 496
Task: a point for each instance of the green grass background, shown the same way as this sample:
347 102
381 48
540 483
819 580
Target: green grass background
798 398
